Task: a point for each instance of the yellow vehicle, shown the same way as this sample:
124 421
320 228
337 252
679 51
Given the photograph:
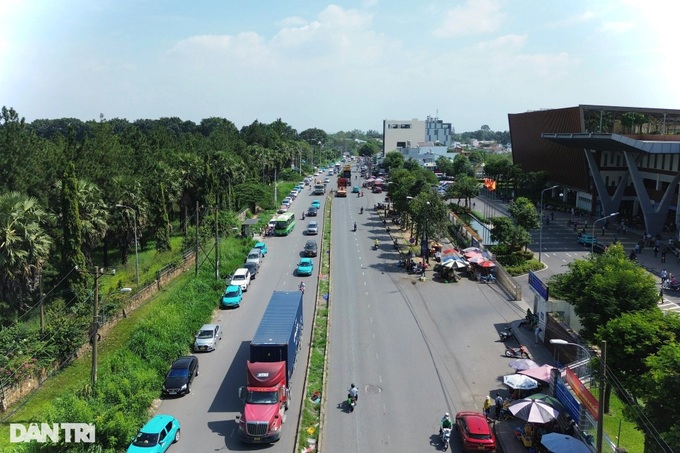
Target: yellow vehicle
342 192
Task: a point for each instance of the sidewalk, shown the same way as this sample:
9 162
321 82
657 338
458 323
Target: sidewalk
646 259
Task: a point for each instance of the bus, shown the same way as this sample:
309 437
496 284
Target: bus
284 224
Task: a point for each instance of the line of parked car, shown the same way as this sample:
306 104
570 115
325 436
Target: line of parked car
163 430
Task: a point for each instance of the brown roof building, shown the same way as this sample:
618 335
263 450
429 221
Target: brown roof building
606 159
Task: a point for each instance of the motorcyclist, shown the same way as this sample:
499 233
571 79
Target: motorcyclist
302 287
445 423
376 243
355 226
361 211
353 393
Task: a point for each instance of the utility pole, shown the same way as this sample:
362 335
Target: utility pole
600 406
95 327
196 245
217 243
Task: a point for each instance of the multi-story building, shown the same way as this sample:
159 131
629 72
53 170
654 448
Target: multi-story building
406 134
606 159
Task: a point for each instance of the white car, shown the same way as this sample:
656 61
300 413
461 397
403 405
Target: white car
287 202
241 278
312 228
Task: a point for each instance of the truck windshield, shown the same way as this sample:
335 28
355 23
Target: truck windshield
262 398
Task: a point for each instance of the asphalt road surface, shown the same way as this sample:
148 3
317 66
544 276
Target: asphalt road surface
414 349
208 414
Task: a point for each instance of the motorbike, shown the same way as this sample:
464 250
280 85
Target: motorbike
487 279
302 288
376 244
672 285
506 334
355 227
520 352
445 436
361 211
351 402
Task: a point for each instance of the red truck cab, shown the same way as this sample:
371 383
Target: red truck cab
265 401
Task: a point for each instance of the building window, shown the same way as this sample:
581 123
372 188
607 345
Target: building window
405 126
401 144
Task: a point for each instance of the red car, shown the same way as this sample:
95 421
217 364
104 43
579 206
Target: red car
475 432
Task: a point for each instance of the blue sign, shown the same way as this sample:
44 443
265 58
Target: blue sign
537 285
568 400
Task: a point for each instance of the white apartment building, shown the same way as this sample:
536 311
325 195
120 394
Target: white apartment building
407 134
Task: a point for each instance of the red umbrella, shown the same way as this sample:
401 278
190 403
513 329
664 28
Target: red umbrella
477 259
447 251
487 264
470 254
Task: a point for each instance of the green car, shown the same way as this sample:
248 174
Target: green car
262 246
156 436
305 266
232 296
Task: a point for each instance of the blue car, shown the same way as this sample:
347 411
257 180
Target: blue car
262 246
316 204
232 296
156 436
305 266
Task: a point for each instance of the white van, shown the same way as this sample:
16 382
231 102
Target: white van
241 278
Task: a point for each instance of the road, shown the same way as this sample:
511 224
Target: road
207 415
415 349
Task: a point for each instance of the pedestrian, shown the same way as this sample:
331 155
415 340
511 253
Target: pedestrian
474 205
637 248
537 334
487 406
642 245
575 225
656 250
552 216
499 405
602 230
664 275
663 255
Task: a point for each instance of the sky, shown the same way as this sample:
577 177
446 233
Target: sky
334 66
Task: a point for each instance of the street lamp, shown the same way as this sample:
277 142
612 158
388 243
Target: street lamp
134 216
592 244
603 371
540 233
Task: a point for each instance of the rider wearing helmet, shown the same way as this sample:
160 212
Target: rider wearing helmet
302 287
445 423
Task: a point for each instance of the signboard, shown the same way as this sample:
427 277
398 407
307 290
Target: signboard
582 393
571 405
538 286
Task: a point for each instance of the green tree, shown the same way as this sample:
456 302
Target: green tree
465 187
604 287
73 264
393 159
24 248
662 405
633 337
524 213
506 232
463 167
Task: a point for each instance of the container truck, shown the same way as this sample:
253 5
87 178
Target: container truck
273 351
345 178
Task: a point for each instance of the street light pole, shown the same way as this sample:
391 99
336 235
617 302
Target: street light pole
540 233
592 244
134 216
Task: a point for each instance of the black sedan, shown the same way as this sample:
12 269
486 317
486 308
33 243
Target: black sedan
181 375
311 212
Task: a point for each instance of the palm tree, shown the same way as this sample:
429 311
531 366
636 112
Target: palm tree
24 247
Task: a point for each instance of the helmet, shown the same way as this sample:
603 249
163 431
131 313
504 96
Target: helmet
446 415
352 386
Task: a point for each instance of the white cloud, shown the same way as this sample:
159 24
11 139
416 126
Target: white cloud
475 17
504 43
616 27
